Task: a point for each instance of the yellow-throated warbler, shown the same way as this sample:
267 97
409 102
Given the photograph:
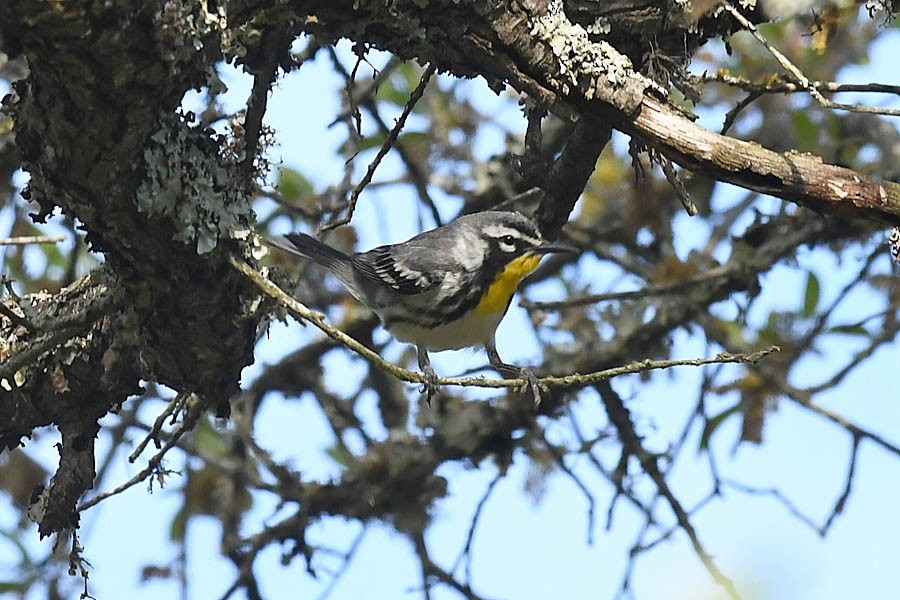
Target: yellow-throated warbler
443 289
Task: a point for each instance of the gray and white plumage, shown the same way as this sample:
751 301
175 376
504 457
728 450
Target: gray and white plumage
426 289
419 276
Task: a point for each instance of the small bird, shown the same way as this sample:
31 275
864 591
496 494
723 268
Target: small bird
444 289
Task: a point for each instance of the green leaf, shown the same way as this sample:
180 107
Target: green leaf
397 88
13 587
850 329
805 131
178 526
811 297
340 456
713 423
292 185
208 440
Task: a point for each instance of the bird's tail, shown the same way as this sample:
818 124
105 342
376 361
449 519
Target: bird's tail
323 255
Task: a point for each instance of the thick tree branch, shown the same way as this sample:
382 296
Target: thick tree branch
96 127
561 67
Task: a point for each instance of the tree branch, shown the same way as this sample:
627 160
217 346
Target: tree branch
567 381
555 62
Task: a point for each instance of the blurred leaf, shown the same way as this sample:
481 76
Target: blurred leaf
415 141
19 474
16 587
805 131
208 440
397 88
671 269
293 186
178 527
341 456
850 329
412 140
811 297
713 423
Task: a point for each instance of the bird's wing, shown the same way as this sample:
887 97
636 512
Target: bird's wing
386 266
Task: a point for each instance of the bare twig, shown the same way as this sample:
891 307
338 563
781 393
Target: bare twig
779 496
848 486
568 381
385 148
430 571
347 557
174 405
194 410
802 80
470 536
32 239
651 290
559 456
789 87
19 320
668 168
58 330
731 115
631 443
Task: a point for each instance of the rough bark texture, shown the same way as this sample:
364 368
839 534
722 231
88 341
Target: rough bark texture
95 126
572 73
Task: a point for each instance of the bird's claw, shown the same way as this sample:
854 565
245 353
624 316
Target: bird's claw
531 383
430 386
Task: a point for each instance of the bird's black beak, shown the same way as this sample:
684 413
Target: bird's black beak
548 247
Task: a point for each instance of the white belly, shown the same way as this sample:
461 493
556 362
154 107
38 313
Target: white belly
471 330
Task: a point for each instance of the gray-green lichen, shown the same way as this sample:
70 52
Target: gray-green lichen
596 69
190 181
184 28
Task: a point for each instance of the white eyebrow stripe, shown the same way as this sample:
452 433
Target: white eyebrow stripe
498 231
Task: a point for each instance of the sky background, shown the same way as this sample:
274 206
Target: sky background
537 548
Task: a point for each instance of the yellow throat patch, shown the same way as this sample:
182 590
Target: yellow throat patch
497 296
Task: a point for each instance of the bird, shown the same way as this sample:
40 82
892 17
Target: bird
444 289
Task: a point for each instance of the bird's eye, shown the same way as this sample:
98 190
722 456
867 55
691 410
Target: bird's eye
507 243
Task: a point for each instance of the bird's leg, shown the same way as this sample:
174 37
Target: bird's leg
525 373
430 386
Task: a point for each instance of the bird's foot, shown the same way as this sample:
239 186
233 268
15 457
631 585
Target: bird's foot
430 386
531 383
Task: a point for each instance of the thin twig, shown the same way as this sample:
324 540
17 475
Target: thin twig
631 443
795 71
470 536
651 290
848 486
789 87
32 239
668 169
19 320
779 496
416 174
58 330
173 406
731 115
385 148
559 455
195 409
347 557
576 380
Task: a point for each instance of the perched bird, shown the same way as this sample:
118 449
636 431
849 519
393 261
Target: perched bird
443 289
